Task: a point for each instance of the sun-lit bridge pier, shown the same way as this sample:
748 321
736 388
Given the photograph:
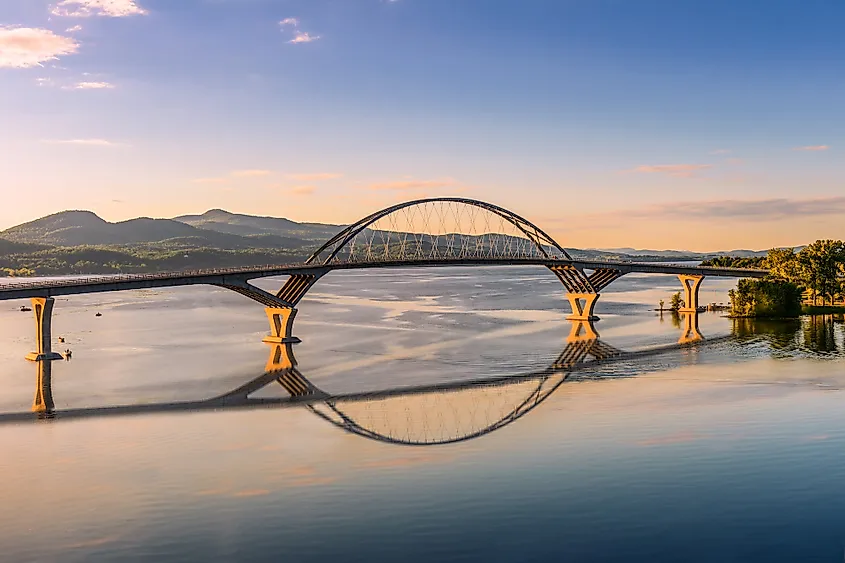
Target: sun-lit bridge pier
437 232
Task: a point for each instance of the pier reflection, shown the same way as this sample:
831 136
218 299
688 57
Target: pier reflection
43 404
420 415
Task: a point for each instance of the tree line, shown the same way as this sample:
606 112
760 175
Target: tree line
818 268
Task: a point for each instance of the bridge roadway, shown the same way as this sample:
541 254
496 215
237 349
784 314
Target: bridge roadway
234 277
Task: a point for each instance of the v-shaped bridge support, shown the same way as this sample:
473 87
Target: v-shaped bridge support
691 285
584 290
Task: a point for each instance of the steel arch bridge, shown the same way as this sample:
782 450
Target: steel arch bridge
445 231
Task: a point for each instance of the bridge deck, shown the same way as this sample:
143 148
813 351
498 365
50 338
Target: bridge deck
13 289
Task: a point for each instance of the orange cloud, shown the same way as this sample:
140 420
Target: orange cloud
303 37
208 180
302 190
812 148
318 177
24 47
249 173
676 170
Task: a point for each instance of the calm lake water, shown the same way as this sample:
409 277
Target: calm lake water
728 449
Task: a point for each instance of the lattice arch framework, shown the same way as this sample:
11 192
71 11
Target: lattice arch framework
435 229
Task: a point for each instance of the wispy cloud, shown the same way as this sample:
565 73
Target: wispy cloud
208 180
298 35
74 29
249 173
812 148
90 86
761 209
303 37
84 142
24 47
318 177
302 190
720 151
414 185
676 170
108 8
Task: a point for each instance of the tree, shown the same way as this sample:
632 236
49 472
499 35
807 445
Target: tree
820 265
765 298
676 302
783 265
661 304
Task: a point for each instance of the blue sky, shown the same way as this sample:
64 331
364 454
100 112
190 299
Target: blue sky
697 124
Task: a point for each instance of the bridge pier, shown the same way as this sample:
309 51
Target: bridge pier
583 305
281 325
42 308
691 285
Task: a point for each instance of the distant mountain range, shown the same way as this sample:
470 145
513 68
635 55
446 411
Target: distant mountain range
683 254
221 229
72 242
213 229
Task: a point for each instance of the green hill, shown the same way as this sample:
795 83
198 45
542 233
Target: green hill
249 225
11 247
84 228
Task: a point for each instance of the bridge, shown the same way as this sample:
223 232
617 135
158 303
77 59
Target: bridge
434 232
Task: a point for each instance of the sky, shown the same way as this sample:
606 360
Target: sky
702 125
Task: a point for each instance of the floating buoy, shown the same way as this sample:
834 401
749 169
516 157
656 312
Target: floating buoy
98 315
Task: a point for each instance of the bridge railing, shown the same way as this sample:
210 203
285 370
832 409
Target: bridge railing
111 278
7 285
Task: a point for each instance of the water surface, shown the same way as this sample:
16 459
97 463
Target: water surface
726 449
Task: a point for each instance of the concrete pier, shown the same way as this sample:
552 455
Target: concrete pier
42 308
281 325
691 285
582 305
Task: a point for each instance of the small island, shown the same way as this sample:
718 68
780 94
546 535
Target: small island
810 281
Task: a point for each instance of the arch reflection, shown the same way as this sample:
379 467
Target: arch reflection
419 415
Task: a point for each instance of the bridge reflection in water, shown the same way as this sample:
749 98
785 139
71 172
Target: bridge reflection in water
427 414
459 411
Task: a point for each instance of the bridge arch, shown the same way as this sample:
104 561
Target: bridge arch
437 229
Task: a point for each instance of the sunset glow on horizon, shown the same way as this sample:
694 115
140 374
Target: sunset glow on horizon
705 126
